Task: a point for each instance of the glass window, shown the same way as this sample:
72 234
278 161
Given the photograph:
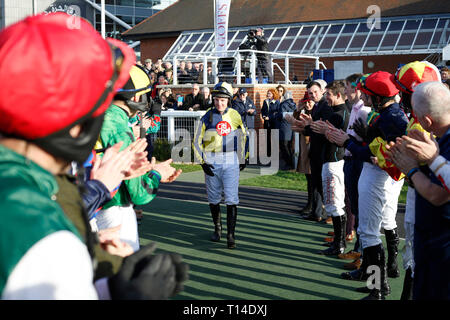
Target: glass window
373 42
412 25
406 40
298 45
273 44
335 29
428 24
231 34
389 41
396 25
350 28
342 43
280 32
306 31
357 43
423 39
327 43
293 32
187 48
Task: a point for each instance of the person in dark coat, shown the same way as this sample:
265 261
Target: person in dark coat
321 110
246 108
288 105
270 105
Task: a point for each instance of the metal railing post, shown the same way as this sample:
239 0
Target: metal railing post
286 70
175 70
238 68
253 68
205 70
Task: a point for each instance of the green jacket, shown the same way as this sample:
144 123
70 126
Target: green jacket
28 212
139 190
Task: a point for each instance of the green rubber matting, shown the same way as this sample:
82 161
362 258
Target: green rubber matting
276 255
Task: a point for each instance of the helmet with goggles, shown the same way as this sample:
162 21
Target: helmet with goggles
69 78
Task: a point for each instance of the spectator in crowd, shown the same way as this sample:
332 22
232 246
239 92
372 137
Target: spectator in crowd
148 65
210 75
207 100
333 167
41 243
353 165
216 148
305 106
183 76
153 79
430 102
155 88
193 100
191 72
169 98
321 110
270 105
285 137
281 91
168 74
445 74
245 107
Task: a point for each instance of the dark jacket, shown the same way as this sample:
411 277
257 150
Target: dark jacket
432 241
268 110
284 126
320 111
190 101
390 124
206 103
242 107
339 118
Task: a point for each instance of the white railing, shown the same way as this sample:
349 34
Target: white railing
240 56
171 121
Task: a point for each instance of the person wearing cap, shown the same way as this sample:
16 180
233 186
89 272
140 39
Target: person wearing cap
246 108
406 79
53 123
425 170
127 103
379 184
148 65
221 146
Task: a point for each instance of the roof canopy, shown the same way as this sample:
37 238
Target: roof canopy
198 14
392 35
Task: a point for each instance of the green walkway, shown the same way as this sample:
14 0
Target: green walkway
276 255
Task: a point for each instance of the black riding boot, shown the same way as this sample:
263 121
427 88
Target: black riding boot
216 216
308 208
407 293
231 225
377 257
338 246
392 241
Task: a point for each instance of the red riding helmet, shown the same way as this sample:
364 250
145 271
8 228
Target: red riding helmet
55 76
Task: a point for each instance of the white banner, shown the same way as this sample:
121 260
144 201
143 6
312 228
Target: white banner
222 12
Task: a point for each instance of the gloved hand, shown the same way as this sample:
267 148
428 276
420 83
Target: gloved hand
207 169
144 276
242 166
361 128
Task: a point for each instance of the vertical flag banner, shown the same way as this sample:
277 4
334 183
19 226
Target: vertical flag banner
221 15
